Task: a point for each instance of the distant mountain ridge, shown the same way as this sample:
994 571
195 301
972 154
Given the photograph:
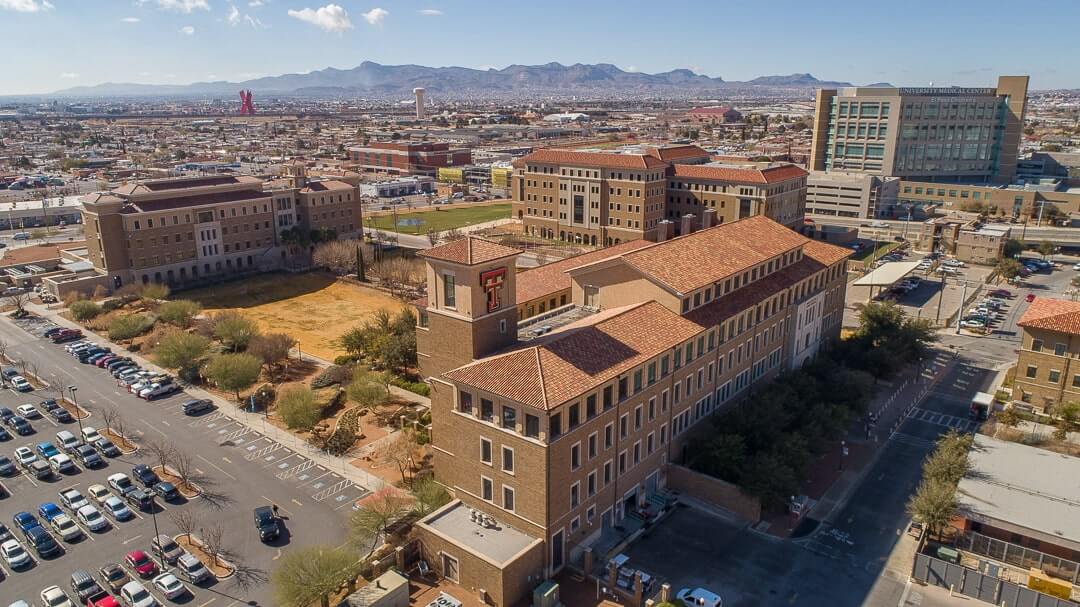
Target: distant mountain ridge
376 80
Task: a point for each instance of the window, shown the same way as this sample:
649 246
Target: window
485 450
637 418
574 417
575 523
575 456
609 432
1059 349
592 445
1055 376
487 489
1076 381
607 472
609 401
487 410
508 460
637 381
590 484
575 495
508 498
449 296
637 453
509 418
624 425
590 406
1036 345
532 426
465 402
652 408
1032 371
622 462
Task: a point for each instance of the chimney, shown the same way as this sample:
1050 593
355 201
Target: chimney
663 230
687 223
708 219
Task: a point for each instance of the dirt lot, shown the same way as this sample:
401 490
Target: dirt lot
314 308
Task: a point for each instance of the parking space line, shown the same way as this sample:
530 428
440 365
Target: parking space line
312 481
130 539
217 467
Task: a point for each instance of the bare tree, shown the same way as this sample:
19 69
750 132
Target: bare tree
162 450
108 416
432 236
22 365
186 521
19 301
32 369
185 468
400 452
213 541
3 349
453 234
118 429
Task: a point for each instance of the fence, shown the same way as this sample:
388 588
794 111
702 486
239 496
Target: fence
971 583
1013 554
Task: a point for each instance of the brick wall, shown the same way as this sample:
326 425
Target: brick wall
713 491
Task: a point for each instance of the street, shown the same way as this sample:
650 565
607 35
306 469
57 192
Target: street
238 469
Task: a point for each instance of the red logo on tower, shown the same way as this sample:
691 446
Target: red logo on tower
492 281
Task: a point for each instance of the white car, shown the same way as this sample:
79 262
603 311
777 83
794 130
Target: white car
170 586
19 383
73 500
119 482
699 597
972 324
14 555
29 411
1076 266
66 528
25 456
134 594
156 390
53 596
61 463
91 517
99 493
90 434
117 508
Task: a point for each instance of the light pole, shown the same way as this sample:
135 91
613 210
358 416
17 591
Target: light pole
963 302
78 418
153 514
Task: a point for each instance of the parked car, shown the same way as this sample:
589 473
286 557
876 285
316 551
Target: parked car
46 449
117 509
92 518
90 434
167 548
41 541
48 511
141 563
60 415
54 596
170 586
72 499
106 447
85 587
20 426
7 467
120 483
145 475
29 411
66 528
191 568
196 406
98 493
88 456
67 441
62 464
266 523
24 456
134 594
699 597
19 383
167 491
14 555
140 499
113 576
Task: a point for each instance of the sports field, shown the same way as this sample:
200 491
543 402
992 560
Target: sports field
314 308
419 222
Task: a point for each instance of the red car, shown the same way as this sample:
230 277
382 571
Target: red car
1030 297
141 563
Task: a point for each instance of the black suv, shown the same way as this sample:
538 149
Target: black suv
43 543
266 523
145 475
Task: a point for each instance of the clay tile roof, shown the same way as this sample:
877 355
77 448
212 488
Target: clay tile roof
824 252
677 152
580 356
606 160
551 278
327 185
739 174
469 251
1052 314
701 258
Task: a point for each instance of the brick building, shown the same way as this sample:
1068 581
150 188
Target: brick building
1047 371
605 198
185 231
408 158
555 442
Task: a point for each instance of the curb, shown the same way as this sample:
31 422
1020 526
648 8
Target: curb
195 540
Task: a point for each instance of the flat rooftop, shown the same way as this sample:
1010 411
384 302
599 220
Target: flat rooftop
1000 486
545 323
497 544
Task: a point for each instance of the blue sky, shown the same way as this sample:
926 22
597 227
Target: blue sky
53 44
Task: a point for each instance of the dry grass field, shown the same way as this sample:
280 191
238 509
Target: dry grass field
315 308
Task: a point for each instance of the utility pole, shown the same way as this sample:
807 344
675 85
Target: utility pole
941 295
963 302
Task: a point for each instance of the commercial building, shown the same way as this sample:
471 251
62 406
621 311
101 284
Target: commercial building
1053 198
968 239
185 231
716 114
944 135
840 194
553 442
604 198
1048 362
403 186
407 158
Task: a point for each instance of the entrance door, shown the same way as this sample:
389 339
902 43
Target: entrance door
592 297
450 567
557 549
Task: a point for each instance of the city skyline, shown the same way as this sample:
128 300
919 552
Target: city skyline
183 41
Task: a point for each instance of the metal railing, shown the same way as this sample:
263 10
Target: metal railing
1018 556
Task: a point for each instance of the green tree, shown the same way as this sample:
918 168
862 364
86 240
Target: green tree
297 408
309 574
933 504
233 372
367 392
429 496
369 524
84 309
271 348
1067 416
234 330
1012 248
179 312
129 326
1009 418
1008 268
1046 248
181 350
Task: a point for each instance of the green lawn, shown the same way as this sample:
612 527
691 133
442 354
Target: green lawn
421 222
867 253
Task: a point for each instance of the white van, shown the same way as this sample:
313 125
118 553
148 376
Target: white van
21 236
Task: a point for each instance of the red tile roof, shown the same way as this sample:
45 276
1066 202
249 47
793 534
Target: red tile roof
469 251
677 152
701 258
580 356
551 278
326 186
774 174
606 160
1053 315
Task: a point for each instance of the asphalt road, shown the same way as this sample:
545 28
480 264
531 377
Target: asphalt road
238 468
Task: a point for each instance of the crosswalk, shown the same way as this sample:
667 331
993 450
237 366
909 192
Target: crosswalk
943 419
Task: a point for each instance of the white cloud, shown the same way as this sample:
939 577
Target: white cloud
184 6
375 16
26 6
430 12
256 3
69 75
255 22
331 17
233 18
131 20
187 30
211 76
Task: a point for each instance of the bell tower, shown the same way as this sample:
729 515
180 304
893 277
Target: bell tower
471 308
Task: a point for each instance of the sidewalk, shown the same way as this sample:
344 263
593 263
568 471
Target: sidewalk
253 421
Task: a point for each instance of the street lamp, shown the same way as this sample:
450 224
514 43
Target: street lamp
78 418
153 514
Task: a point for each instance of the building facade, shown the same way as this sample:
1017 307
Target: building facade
605 198
929 134
407 158
861 195
1054 198
1048 362
565 436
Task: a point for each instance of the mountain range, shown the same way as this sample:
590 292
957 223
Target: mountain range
374 80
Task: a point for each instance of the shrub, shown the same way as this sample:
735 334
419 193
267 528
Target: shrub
233 372
416 387
331 375
234 329
154 291
179 312
100 292
344 360
180 350
297 408
84 309
129 326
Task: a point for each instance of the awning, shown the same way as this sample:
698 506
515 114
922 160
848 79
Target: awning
889 273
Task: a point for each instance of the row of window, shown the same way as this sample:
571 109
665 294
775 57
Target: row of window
1053 375
162 221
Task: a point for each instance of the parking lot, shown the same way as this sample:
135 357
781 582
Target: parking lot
238 468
